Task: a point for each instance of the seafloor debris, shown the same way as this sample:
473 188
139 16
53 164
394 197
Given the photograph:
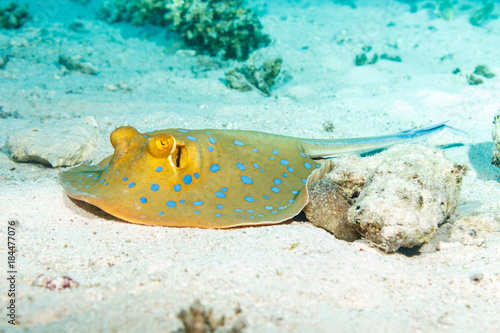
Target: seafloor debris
482 14
197 319
445 10
75 63
496 140
56 143
212 27
246 76
54 283
13 16
481 71
9 114
3 61
362 59
399 197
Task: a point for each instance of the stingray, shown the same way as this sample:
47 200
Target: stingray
211 178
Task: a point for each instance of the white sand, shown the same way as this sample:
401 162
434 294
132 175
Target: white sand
284 278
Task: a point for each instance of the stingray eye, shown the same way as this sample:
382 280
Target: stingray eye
125 135
162 145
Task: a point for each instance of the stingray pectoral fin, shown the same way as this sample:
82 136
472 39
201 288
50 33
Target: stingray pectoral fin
79 182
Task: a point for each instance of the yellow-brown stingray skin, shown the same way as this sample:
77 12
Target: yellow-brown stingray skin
222 178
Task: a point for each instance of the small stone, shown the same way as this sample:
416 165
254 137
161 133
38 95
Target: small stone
75 63
484 71
496 139
476 277
54 283
55 142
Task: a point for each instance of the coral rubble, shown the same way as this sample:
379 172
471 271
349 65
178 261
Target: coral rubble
212 27
496 139
397 198
243 78
13 16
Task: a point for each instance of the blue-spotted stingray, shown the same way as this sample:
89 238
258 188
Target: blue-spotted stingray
210 178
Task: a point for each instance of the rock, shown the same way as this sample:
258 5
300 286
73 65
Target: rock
397 198
406 198
496 139
56 143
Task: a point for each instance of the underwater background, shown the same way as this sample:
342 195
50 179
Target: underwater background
72 71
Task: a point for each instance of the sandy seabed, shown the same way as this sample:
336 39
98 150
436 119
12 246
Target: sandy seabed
291 277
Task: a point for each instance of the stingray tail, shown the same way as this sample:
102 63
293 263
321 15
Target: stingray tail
332 147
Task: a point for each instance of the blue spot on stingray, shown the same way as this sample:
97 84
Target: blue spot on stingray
102 181
268 207
275 151
220 194
81 180
284 162
238 210
260 215
224 189
295 192
90 175
255 150
290 169
275 189
182 131
143 200
198 203
265 196
158 169
281 207
274 212
106 184
192 138
177 187
87 186
292 200
220 206
132 184
161 213
212 140
250 211
218 215
318 166
95 177
187 179
196 212
107 166
304 180
155 187
106 171
125 179
285 175
215 168
238 143
246 180
307 165
210 148
256 166
210 133
196 175
182 201
240 166
302 154
271 158
277 181
144 135
249 199
171 203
